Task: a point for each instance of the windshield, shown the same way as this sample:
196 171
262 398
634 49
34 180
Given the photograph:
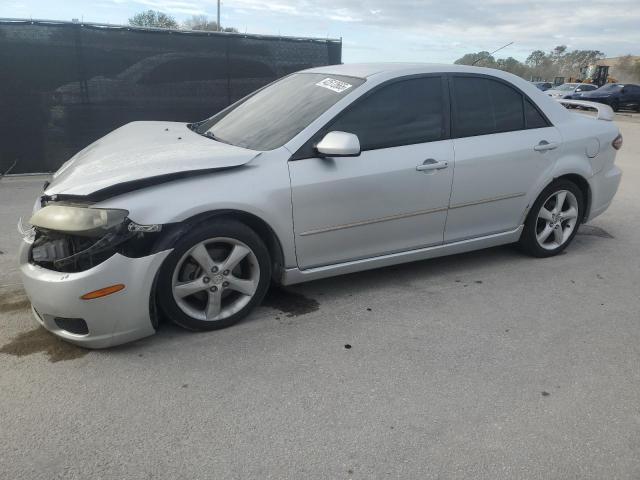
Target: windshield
566 86
274 115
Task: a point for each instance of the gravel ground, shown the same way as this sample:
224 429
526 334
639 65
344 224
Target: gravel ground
484 365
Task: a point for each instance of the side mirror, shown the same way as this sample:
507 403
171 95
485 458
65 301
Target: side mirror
339 144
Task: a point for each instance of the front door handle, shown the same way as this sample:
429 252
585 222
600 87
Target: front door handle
431 164
543 146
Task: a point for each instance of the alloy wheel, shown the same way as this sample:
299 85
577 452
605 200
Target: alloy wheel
557 219
215 279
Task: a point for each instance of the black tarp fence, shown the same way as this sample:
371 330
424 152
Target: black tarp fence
63 85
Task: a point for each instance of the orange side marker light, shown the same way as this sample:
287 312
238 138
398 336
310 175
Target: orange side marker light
103 292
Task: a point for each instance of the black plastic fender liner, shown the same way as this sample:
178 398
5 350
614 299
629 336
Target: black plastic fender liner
168 236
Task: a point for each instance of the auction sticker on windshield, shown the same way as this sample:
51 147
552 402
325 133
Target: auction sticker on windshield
334 85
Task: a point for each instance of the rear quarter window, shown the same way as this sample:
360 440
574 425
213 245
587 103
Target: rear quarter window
532 117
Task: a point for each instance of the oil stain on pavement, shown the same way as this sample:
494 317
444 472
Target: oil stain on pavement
40 340
291 303
594 231
36 340
13 300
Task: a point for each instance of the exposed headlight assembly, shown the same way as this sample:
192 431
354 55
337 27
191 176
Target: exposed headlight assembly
81 221
70 238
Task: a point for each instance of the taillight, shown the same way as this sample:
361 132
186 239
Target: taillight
617 142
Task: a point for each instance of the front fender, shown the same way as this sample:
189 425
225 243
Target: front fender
260 189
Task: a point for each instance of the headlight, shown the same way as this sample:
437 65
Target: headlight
82 221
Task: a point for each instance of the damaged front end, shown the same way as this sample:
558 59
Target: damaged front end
75 238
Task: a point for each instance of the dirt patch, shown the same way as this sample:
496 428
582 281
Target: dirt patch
291 303
40 340
594 231
13 300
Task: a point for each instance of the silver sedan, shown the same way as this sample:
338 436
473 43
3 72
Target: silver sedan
325 172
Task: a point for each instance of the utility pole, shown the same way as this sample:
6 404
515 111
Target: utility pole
219 28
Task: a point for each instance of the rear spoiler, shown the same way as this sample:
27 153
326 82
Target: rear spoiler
604 111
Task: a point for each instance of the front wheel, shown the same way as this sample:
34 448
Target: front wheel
215 276
553 220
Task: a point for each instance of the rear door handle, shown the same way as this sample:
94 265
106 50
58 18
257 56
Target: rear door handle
431 164
543 146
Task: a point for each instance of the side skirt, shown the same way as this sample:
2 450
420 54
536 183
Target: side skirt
295 275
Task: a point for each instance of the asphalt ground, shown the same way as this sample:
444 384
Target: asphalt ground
489 365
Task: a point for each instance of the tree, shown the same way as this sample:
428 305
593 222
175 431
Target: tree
512 65
153 18
545 65
558 52
201 22
480 59
627 69
571 63
536 59
540 65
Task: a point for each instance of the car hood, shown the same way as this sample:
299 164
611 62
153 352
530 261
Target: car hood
141 154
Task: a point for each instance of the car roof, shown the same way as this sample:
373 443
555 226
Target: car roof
365 70
382 72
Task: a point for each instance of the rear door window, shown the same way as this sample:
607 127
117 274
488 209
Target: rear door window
482 106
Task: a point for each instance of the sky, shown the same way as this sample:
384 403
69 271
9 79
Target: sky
388 30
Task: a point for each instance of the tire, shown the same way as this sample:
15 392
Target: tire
236 278
536 239
615 106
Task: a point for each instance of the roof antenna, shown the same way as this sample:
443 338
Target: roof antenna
488 55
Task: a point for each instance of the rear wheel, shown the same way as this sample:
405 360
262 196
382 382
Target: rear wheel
215 276
554 219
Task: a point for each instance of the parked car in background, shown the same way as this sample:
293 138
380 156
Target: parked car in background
328 171
569 90
152 88
616 95
544 86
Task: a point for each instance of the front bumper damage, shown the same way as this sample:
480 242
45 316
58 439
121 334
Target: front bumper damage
111 320
59 268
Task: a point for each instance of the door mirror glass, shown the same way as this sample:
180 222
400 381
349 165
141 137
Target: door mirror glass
339 144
